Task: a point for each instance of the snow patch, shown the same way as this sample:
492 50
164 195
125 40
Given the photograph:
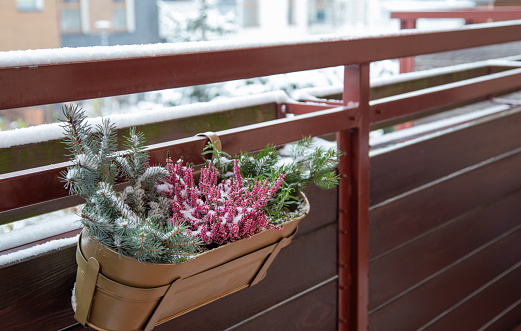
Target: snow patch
36 250
430 129
34 58
54 131
39 231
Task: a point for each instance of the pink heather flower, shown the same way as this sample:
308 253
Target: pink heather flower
215 212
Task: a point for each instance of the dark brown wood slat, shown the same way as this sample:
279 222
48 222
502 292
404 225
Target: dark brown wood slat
400 220
323 209
408 167
419 305
40 288
309 260
507 320
484 306
313 311
28 156
401 269
36 293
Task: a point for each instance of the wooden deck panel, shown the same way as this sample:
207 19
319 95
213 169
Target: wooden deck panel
417 164
484 305
315 310
417 306
298 267
444 249
440 248
509 319
403 219
21 157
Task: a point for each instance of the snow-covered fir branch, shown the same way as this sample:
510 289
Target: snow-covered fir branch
134 221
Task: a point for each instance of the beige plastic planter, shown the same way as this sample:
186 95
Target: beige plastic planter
114 293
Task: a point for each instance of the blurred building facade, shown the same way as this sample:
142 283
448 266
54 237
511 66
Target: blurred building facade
29 24
108 22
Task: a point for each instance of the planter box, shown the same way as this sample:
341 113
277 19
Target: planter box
120 293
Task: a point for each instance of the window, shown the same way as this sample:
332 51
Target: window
291 12
29 5
227 6
321 11
70 20
119 19
251 13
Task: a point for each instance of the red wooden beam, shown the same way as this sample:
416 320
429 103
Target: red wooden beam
471 15
503 13
44 84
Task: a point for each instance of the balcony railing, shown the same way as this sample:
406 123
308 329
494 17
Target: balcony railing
413 195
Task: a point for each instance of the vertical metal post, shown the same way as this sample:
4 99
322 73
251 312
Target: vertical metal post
407 63
353 213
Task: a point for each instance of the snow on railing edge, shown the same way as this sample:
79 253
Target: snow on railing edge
37 250
47 132
314 93
42 230
36 57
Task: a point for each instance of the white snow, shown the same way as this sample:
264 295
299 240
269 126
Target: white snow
73 297
165 187
36 250
316 143
34 58
39 231
46 132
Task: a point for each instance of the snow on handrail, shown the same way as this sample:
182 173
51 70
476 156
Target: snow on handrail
61 75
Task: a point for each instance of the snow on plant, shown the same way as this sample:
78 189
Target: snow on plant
132 222
216 211
164 215
307 164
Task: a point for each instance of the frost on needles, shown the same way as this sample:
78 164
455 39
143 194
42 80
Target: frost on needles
307 164
134 222
164 215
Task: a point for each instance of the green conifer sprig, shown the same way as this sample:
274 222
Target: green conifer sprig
133 222
308 165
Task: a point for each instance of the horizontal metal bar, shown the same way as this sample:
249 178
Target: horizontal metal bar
33 188
44 84
506 13
452 93
309 107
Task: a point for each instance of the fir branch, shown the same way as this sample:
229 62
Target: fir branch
135 221
108 193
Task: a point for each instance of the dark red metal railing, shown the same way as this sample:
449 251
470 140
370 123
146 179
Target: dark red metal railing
408 20
351 120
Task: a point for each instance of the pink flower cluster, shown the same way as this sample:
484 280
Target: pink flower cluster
218 212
